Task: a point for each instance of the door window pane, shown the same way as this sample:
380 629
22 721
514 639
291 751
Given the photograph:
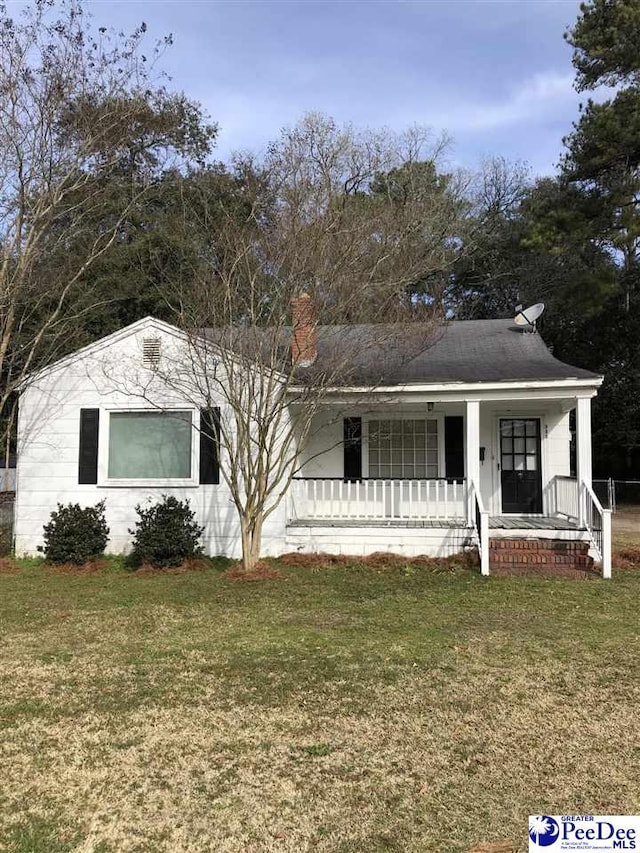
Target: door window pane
149 445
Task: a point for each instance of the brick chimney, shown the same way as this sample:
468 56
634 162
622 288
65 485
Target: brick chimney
304 342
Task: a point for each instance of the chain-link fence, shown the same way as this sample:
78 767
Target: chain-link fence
613 493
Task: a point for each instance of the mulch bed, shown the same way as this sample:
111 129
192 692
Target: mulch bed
196 564
260 572
91 567
465 560
8 566
379 560
296 560
384 560
627 557
94 566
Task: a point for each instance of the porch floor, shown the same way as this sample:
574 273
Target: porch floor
496 522
539 522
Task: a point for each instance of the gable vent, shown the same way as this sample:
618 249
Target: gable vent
151 352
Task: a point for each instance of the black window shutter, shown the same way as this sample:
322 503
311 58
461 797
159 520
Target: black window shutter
352 448
210 446
88 451
454 447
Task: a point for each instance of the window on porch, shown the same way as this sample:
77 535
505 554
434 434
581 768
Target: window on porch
403 449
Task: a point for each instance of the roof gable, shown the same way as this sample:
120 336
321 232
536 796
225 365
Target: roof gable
150 324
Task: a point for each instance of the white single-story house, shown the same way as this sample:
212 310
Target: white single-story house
465 444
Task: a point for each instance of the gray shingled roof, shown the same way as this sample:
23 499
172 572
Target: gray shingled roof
460 351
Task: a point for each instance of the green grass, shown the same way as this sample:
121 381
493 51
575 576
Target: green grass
626 526
341 709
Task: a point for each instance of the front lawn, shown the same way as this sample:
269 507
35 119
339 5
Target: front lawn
341 709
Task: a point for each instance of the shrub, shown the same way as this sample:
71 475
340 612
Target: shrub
166 534
75 534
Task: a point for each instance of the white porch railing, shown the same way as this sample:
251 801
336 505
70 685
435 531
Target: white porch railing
564 493
337 499
579 503
479 518
598 523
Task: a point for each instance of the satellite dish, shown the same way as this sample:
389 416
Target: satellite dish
527 317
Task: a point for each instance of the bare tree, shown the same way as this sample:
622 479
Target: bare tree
76 108
307 287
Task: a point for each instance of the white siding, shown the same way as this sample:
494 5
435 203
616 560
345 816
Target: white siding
114 375
408 541
322 455
47 471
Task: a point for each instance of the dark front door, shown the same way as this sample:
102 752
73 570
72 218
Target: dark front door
520 472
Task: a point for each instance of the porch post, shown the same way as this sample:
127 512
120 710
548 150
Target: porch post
606 543
472 453
583 453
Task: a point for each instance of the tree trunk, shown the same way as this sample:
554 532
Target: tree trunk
251 532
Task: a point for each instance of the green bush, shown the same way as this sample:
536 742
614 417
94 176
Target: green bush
75 534
166 534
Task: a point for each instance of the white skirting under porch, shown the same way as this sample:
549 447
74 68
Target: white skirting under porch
437 539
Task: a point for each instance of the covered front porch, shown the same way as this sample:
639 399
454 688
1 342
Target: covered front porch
439 474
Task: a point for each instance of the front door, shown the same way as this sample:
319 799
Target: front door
520 469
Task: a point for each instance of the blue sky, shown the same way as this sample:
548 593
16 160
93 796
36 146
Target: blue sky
496 76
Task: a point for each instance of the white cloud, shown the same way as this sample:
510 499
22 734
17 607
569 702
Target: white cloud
544 94
251 121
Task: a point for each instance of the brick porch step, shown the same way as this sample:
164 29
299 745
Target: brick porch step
552 557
